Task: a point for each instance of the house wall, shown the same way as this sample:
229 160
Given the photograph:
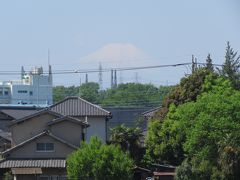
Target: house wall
4 121
26 177
4 125
29 150
4 144
97 128
30 128
69 131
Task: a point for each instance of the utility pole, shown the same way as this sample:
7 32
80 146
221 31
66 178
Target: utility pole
111 78
86 79
100 77
79 89
194 64
136 77
115 78
121 78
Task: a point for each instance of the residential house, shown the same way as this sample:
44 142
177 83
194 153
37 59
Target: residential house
147 116
83 110
155 171
9 113
129 116
163 171
41 143
5 140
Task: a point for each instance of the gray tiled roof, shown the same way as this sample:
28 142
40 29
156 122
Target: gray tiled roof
76 106
129 116
18 113
68 118
6 135
33 163
151 112
40 112
38 136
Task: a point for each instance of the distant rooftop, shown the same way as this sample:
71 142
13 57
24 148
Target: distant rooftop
76 106
23 106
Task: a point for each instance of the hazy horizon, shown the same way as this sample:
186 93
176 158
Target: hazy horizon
82 34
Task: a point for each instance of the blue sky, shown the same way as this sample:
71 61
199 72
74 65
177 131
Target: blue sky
80 34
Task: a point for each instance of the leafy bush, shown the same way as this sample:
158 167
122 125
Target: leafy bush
97 161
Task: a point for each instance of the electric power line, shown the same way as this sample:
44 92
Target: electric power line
81 71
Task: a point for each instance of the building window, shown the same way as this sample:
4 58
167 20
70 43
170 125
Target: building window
22 91
30 93
45 147
6 93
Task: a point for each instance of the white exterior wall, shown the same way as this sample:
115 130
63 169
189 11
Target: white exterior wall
20 93
36 90
42 89
5 98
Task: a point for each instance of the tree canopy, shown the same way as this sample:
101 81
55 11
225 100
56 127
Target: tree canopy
129 140
186 91
127 95
195 131
99 162
231 65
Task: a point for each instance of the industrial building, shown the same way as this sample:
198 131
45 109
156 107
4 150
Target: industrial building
34 89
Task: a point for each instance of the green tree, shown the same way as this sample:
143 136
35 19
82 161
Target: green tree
204 132
164 140
128 139
130 94
90 92
209 65
213 119
134 94
229 155
99 162
8 176
188 90
61 92
230 68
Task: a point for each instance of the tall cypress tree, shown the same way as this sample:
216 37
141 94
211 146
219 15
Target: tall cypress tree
209 64
230 68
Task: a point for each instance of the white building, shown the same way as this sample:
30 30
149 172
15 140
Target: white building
34 88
